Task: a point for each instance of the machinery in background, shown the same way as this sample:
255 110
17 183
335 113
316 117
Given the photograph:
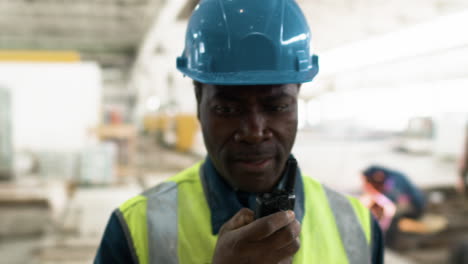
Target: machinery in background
24 211
418 138
440 135
6 149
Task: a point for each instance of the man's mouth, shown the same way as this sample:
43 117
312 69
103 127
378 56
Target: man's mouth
255 164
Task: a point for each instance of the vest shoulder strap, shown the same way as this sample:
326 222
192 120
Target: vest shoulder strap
352 231
162 223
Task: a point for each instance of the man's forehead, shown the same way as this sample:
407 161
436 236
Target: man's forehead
240 91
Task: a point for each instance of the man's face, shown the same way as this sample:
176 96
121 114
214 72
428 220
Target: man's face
249 132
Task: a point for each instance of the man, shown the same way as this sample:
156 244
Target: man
247 59
404 206
409 200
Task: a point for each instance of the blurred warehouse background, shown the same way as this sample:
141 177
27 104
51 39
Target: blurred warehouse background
93 111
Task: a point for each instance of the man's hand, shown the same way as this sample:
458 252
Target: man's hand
270 239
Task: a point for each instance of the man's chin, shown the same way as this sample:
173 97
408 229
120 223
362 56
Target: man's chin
256 189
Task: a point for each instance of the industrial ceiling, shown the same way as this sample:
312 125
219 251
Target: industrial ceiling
106 31
110 31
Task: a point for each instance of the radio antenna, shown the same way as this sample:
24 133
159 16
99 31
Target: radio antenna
291 169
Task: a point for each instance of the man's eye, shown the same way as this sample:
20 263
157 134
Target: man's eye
278 108
226 110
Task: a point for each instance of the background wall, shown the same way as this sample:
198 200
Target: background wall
54 105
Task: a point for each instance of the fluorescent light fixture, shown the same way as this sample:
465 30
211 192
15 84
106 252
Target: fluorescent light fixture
440 34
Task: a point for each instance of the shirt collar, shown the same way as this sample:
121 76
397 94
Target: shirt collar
224 202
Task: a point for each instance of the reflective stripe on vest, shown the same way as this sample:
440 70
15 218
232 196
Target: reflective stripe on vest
162 223
352 235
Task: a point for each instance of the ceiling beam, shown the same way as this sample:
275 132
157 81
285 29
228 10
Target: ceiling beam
114 2
72 32
68 44
73 10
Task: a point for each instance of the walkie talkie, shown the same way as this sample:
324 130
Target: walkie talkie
283 197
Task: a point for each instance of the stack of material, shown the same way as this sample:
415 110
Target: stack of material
24 211
123 135
97 164
57 165
6 149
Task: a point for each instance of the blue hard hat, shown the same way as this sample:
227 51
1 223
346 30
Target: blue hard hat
248 42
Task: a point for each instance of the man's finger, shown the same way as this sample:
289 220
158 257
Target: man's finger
284 236
266 226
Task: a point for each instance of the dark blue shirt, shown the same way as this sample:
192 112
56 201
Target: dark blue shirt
224 202
397 185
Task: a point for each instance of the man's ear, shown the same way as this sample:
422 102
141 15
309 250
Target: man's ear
197 90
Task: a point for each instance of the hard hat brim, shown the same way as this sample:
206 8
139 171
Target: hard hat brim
252 77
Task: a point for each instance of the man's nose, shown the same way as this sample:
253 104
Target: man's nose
253 129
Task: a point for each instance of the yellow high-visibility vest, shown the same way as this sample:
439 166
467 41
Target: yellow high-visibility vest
171 223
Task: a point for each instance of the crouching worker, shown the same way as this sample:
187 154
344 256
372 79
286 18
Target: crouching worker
398 204
394 185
